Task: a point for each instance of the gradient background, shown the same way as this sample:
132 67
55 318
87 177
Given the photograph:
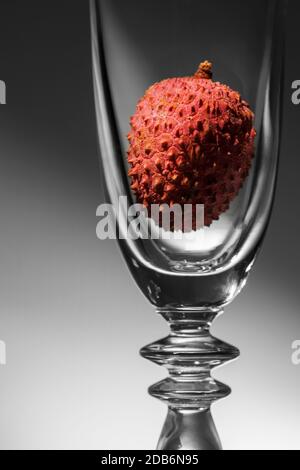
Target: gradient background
71 316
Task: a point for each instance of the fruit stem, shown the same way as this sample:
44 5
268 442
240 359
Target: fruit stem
205 70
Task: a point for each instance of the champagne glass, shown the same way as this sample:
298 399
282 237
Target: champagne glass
136 43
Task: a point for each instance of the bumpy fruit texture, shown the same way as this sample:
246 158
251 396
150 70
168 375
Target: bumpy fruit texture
191 142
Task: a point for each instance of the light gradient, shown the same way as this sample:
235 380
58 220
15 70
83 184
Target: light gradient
70 314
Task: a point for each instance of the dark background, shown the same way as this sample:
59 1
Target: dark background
72 318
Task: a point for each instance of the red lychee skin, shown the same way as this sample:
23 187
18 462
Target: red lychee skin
191 142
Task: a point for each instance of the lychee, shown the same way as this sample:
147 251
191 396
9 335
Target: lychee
191 142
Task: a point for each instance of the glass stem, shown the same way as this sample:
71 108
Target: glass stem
189 430
189 353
